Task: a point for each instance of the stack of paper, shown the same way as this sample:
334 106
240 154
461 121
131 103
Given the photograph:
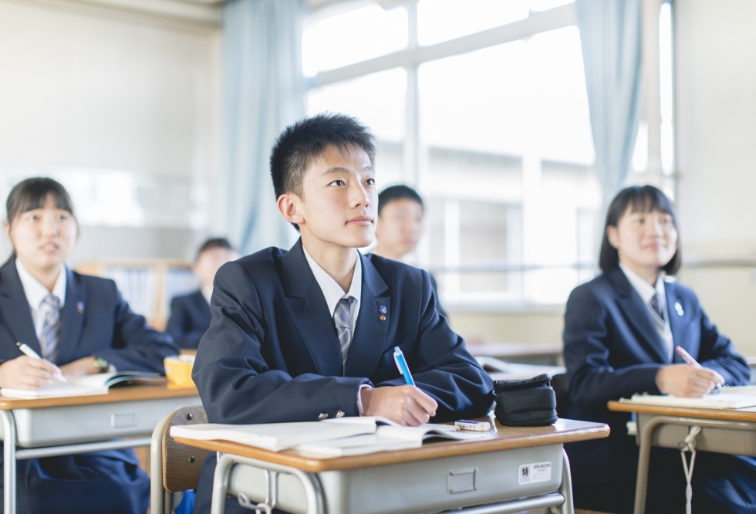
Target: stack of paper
730 398
83 386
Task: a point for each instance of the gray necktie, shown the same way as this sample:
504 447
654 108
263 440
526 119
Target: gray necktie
50 310
342 318
655 303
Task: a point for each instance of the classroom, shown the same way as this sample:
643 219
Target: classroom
377 256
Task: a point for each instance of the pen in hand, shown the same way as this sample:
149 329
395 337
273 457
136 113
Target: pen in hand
401 363
26 350
693 362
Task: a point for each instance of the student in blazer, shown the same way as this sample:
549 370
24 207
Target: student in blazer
283 347
92 331
619 337
190 313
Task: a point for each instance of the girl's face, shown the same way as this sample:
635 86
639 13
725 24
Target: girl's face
44 237
644 239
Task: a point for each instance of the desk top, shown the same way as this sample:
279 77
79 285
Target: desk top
513 350
745 414
501 438
117 394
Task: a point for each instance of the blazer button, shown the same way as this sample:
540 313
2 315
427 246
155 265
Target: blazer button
323 415
340 414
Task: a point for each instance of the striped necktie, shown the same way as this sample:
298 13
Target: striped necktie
50 310
655 303
342 318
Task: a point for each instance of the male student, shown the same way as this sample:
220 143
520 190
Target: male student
309 334
400 224
190 313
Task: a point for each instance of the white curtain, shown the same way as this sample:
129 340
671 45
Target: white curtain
610 34
263 92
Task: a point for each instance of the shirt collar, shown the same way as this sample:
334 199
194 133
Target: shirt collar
643 288
36 292
331 289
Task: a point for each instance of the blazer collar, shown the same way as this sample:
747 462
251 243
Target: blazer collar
677 322
637 314
312 318
14 308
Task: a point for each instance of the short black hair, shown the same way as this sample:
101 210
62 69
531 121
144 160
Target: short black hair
399 192
32 193
307 139
213 243
641 199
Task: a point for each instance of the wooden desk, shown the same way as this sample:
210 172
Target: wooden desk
731 431
48 427
438 476
549 354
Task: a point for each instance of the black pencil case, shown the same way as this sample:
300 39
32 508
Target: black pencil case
525 403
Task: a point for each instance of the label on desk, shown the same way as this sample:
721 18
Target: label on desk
537 472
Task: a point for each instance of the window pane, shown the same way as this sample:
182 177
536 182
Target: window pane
378 101
351 37
544 5
441 20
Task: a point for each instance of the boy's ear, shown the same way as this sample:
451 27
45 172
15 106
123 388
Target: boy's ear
287 205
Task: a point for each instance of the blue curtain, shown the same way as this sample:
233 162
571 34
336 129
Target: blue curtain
610 34
263 92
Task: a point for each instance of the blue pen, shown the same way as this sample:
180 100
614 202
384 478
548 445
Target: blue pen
401 363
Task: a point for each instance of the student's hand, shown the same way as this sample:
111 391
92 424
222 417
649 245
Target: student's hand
687 380
27 373
406 405
84 366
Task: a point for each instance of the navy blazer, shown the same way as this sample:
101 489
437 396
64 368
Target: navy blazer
190 317
272 354
95 320
612 350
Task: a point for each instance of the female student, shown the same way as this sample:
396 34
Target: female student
80 325
620 334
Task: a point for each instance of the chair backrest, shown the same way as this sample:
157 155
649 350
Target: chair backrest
561 392
182 464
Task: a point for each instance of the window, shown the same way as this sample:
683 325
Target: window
481 105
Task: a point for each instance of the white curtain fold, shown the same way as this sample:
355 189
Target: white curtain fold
610 34
263 92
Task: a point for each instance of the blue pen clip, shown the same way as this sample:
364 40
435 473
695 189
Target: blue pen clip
401 363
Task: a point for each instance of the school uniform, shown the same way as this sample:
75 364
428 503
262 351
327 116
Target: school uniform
93 320
619 331
274 349
190 317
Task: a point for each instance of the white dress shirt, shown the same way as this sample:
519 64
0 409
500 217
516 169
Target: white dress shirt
646 291
333 293
36 293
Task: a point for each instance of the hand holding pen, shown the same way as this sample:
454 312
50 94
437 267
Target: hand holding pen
29 371
687 380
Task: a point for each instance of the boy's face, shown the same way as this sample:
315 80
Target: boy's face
400 225
210 261
339 199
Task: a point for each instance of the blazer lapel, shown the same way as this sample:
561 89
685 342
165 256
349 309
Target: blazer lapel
203 308
309 312
637 314
677 323
72 315
370 333
15 309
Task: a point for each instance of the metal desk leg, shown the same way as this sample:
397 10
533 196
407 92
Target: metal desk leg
9 462
566 487
226 462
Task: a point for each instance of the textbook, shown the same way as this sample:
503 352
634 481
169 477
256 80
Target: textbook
733 398
386 438
85 385
332 437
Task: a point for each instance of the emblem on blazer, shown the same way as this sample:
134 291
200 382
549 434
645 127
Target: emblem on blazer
382 318
679 309
80 307
382 309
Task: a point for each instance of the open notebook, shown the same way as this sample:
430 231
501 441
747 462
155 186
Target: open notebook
84 386
343 436
729 398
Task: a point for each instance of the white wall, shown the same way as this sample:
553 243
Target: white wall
716 155
100 90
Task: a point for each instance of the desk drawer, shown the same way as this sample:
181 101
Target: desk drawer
94 422
431 485
734 441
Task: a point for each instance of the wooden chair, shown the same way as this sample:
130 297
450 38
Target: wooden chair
174 467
